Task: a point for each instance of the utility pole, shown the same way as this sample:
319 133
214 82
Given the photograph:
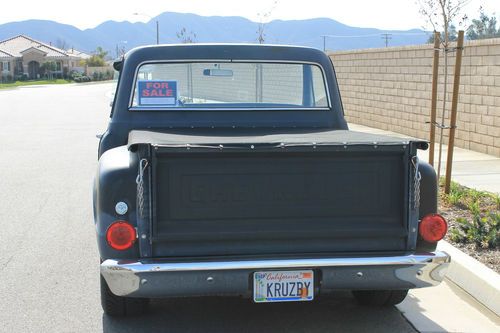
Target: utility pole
157 25
120 50
386 36
324 42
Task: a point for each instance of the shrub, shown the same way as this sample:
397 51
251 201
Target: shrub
21 77
454 198
82 78
109 75
73 75
482 231
474 207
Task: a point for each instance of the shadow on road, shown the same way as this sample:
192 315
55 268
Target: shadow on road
337 312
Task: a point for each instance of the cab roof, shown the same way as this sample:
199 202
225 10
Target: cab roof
226 52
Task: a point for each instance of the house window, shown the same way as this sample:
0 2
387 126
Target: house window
19 67
5 66
58 66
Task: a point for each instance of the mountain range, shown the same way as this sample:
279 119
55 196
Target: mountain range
114 36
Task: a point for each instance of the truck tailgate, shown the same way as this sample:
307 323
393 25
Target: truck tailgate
266 198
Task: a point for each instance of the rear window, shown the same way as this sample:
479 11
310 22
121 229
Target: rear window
182 86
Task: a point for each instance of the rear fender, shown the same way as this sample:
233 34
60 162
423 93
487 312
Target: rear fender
428 200
115 182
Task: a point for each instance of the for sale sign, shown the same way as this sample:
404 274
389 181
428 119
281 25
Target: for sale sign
157 93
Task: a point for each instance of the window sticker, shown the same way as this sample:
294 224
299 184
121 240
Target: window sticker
157 93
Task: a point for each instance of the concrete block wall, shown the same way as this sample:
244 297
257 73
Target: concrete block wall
390 88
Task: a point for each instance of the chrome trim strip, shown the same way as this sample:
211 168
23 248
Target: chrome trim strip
165 266
174 109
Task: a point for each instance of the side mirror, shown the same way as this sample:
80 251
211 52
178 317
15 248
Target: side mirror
117 65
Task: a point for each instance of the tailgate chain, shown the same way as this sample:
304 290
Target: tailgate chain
416 185
143 164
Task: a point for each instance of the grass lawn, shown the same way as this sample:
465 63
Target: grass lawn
31 83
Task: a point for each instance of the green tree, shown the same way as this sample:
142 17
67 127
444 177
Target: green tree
452 35
95 61
99 51
98 58
484 27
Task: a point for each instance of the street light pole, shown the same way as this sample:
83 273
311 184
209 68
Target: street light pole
157 32
157 25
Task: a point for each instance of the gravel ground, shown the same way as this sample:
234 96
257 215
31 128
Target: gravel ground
489 257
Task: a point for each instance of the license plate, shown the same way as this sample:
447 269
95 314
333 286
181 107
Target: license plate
283 286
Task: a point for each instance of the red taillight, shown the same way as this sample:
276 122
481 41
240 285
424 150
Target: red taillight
120 235
433 227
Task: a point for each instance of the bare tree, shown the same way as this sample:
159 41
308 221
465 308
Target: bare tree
440 14
263 20
61 44
186 37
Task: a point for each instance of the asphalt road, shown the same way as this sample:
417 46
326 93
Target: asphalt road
49 266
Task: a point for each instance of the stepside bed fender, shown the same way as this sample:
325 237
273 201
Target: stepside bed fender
428 199
115 182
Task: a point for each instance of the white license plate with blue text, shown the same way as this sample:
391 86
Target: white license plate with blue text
283 286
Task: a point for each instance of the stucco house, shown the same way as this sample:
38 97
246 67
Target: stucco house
23 55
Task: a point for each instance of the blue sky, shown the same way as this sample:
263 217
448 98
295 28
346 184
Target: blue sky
382 14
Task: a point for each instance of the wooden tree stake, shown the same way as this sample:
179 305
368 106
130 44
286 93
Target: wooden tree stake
454 102
435 73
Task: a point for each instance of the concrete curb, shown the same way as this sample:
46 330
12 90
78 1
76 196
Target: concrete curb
476 279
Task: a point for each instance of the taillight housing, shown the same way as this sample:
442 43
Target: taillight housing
432 228
121 235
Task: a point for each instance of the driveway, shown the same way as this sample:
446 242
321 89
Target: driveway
48 256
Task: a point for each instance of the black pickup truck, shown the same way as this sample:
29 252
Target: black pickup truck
230 170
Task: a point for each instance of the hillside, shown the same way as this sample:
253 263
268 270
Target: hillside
111 34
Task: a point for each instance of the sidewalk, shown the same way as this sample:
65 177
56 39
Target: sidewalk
471 169
447 307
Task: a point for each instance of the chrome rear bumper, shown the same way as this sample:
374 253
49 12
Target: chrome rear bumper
164 278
